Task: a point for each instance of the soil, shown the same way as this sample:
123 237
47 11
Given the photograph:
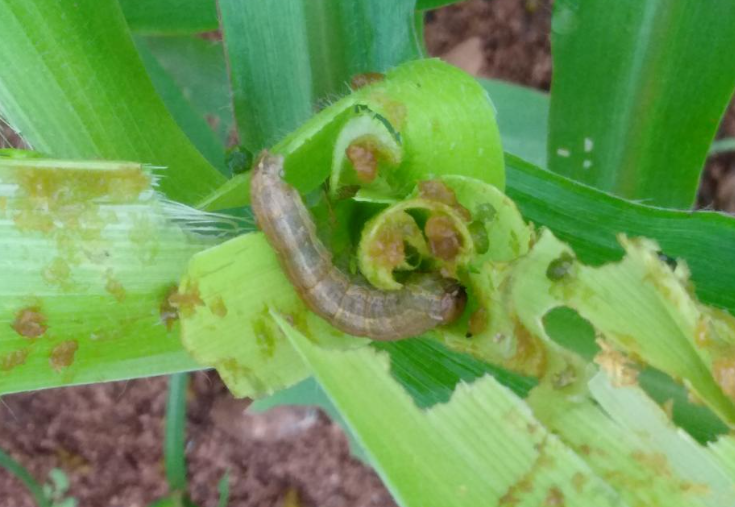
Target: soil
508 39
717 187
107 438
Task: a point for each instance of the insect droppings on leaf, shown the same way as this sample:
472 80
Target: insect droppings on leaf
62 355
388 248
438 191
560 268
362 156
217 306
30 322
670 261
564 378
444 240
167 312
531 354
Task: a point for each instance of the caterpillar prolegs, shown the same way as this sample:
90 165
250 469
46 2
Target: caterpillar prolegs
424 302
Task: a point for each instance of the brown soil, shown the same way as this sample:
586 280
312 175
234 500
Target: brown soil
8 137
108 438
717 188
512 38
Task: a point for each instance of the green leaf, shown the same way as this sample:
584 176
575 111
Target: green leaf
438 127
419 97
639 89
523 116
697 419
190 121
78 90
267 46
724 451
91 255
198 68
474 450
639 305
168 501
430 372
286 58
170 16
174 446
349 37
223 487
434 4
628 439
231 330
425 368
589 220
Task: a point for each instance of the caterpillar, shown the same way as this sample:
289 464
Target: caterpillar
349 304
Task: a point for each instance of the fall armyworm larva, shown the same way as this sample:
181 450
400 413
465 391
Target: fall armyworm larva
425 301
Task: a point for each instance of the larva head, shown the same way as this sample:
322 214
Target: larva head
452 302
269 165
444 299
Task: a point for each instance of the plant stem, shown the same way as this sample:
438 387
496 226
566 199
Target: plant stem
174 452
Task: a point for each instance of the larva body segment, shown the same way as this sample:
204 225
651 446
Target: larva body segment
425 301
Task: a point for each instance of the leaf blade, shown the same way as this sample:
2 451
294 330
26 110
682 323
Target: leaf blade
643 135
90 257
589 221
288 58
269 68
171 16
78 90
523 115
437 457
